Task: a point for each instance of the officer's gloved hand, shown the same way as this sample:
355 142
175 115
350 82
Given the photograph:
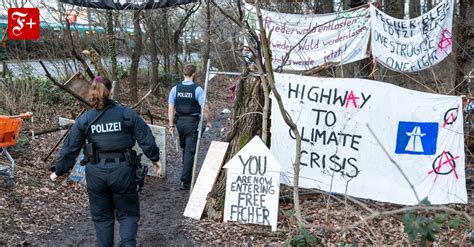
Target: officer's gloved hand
157 166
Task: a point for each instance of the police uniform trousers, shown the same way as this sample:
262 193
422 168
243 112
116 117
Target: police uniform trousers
188 134
113 194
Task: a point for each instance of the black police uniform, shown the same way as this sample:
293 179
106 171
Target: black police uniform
188 111
110 182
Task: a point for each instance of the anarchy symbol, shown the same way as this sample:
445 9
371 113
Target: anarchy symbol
450 116
444 164
446 41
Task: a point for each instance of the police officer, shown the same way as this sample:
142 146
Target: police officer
111 183
185 101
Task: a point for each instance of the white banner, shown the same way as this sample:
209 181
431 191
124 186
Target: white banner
415 44
422 133
317 39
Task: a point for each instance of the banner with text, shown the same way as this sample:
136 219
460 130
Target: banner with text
314 40
415 44
421 132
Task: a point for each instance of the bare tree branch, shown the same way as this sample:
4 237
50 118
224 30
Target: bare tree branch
73 51
395 163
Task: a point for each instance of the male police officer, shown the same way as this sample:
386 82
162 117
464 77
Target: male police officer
185 100
111 130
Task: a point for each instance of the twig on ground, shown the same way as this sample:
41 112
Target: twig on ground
60 140
329 198
146 95
407 209
375 243
52 129
378 242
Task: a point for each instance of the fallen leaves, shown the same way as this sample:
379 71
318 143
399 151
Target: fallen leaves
383 230
36 206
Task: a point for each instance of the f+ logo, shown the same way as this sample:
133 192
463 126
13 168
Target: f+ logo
23 23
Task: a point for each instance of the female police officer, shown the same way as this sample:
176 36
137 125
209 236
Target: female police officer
113 129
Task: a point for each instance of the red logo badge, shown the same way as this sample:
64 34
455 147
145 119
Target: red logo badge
23 23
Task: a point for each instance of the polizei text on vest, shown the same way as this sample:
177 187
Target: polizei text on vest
185 95
106 127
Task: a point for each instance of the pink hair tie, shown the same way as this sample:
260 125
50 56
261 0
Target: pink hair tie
99 79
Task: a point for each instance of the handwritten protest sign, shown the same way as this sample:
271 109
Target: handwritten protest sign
253 186
422 133
415 44
317 39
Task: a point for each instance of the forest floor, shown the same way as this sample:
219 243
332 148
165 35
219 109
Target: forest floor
39 212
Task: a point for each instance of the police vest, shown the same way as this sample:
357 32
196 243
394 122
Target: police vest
112 131
186 103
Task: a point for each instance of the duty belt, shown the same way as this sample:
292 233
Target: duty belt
188 116
110 157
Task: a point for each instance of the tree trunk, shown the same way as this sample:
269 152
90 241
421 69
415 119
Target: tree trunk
176 60
155 63
326 6
165 41
137 51
395 8
415 8
153 51
345 4
247 123
112 51
465 64
429 5
89 18
265 46
465 49
207 50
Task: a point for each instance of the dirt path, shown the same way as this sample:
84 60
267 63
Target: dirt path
162 203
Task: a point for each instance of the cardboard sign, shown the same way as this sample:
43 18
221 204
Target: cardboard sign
206 179
159 133
253 186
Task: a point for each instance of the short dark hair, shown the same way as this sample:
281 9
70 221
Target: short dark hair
189 69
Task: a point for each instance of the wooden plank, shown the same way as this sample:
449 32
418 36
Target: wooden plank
78 84
206 179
